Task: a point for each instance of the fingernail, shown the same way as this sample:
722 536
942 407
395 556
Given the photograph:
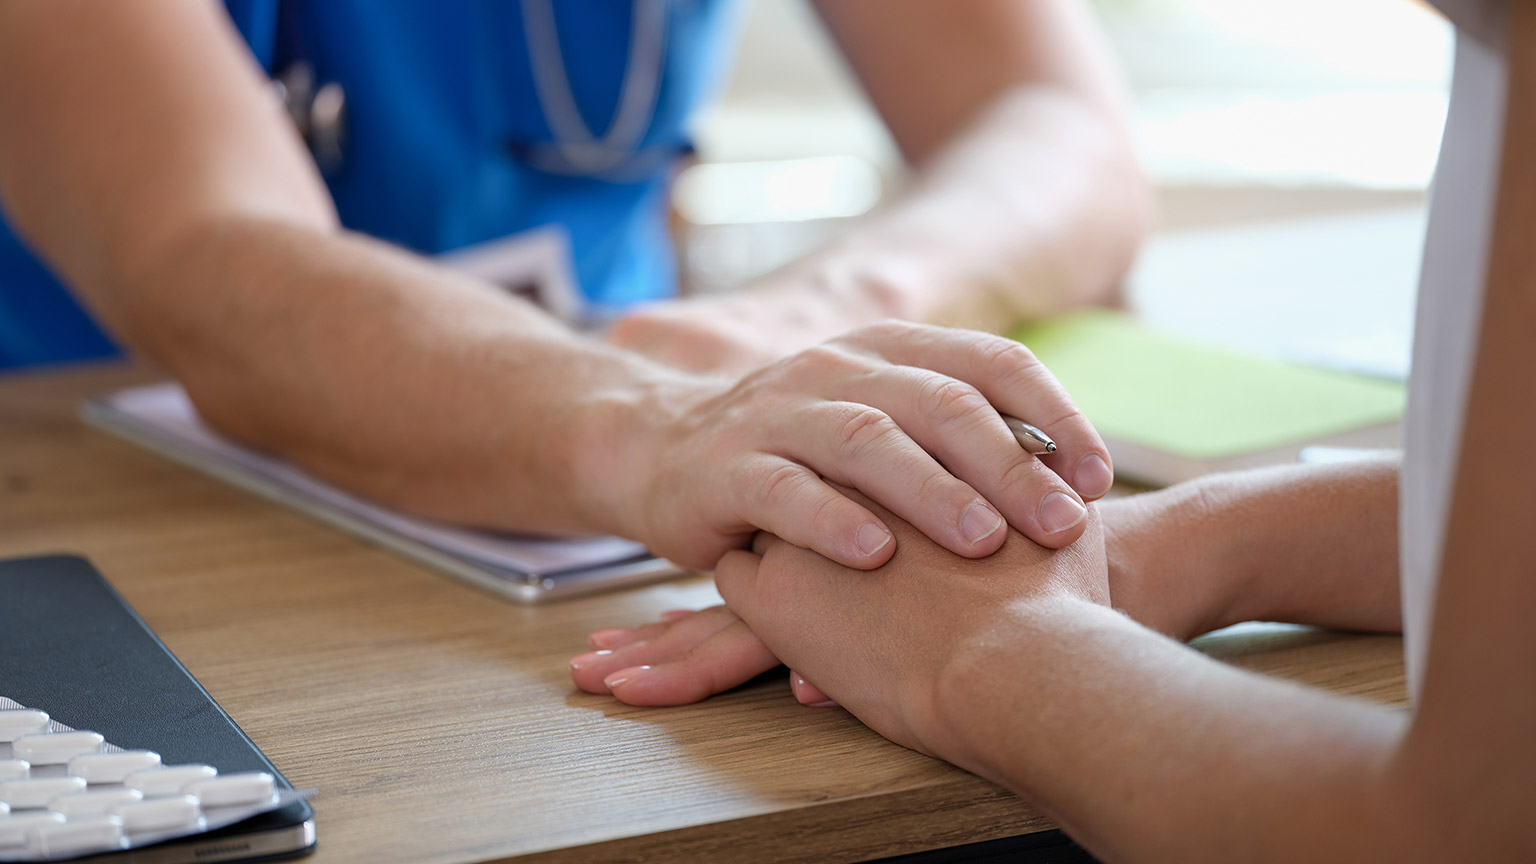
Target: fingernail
611 636
798 685
582 661
979 522
1060 511
1093 477
871 538
624 675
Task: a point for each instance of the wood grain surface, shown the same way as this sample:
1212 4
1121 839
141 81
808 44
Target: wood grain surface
439 722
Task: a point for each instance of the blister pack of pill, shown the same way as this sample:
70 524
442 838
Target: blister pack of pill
66 793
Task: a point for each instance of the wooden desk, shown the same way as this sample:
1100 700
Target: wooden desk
439 723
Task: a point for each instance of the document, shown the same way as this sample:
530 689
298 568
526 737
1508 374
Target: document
527 569
1171 409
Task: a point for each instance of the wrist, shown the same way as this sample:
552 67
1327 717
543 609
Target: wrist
1173 565
990 681
621 432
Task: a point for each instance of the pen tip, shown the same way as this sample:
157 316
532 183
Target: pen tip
1050 448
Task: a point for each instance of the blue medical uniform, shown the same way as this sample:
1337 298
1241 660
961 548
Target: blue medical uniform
443 128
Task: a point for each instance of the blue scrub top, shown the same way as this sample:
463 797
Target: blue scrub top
443 121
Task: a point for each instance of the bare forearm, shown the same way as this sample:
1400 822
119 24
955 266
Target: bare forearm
1302 544
1147 751
1026 195
1025 198
384 373
1039 205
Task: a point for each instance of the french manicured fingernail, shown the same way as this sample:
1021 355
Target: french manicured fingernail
1060 511
871 538
624 675
802 689
1093 477
979 522
582 661
610 637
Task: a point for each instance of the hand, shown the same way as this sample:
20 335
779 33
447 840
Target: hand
1156 576
904 413
728 333
888 644
684 658
789 310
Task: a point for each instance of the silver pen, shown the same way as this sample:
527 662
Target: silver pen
1030 438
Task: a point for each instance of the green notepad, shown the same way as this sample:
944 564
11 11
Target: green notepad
1171 409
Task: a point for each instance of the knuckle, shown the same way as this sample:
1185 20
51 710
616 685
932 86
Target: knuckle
1007 360
862 428
1073 416
825 512
890 328
781 485
821 361
944 400
1023 474
870 336
936 486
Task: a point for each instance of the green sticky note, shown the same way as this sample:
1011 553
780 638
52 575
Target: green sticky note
1197 401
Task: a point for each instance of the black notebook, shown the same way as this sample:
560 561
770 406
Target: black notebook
71 646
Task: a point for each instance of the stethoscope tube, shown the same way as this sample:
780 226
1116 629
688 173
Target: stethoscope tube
320 113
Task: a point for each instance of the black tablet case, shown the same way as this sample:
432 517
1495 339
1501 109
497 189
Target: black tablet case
71 646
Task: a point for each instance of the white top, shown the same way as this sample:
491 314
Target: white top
1448 320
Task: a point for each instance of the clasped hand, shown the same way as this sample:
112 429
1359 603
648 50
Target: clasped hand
895 426
905 414
885 643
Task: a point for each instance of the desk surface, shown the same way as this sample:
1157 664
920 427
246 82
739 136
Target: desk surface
439 722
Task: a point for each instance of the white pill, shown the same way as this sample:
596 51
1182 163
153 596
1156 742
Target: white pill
15 827
112 767
76 837
4 808
16 722
15 769
167 780
57 748
160 814
233 790
27 794
93 802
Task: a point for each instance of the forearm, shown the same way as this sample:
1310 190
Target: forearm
387 375
1144 750
1036 206
1302 544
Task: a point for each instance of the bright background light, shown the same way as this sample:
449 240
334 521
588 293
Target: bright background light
1291 143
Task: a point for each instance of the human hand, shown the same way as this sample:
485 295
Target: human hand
906 414
689 656
889 645
684 658
1156 575
731 333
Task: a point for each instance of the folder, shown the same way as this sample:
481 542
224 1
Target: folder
526 569
1171 409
